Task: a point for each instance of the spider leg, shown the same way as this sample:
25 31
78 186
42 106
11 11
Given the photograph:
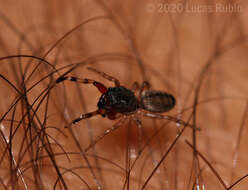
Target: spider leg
135 88
145 86
141 136
84 116
167 117
100 137
140 131
99 85
104 75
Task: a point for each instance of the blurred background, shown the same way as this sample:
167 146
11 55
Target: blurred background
195 50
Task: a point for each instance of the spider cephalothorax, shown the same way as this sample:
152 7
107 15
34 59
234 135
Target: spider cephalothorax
118 100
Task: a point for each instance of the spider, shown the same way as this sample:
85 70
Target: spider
119 101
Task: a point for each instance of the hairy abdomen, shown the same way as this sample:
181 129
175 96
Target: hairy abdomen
157 101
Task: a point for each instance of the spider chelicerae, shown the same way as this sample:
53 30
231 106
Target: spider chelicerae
121 102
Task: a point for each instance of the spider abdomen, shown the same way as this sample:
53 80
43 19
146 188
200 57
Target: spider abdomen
119 100
157 101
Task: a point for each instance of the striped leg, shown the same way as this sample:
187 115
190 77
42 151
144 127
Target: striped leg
169 118
104 75
113 128
84 116
99 85
135 88
145 86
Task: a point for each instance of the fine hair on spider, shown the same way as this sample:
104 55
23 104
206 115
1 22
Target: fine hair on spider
119 102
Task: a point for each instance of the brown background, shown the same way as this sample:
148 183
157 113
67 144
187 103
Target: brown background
178 51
